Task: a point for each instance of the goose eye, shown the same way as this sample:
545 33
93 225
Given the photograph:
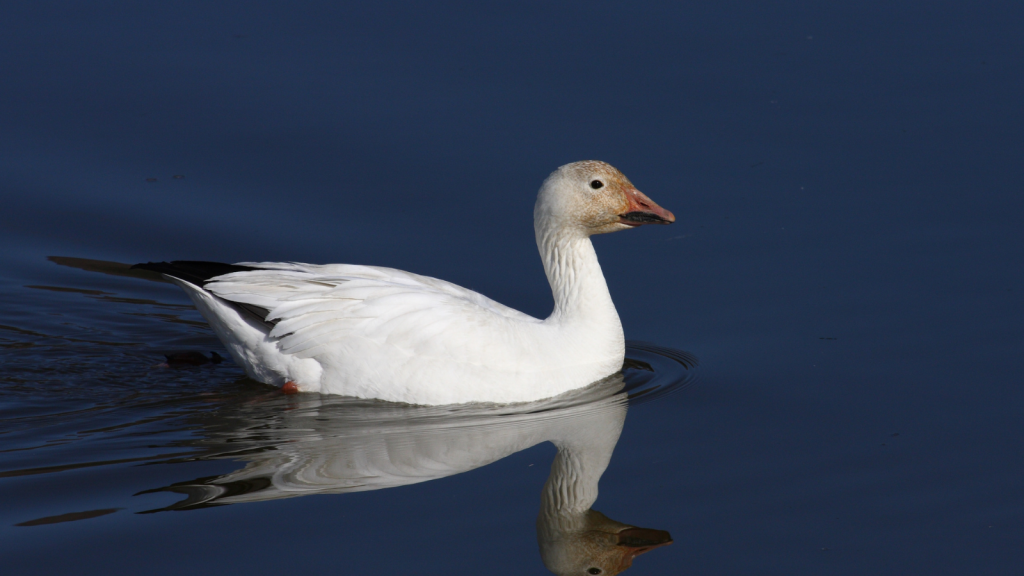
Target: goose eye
595 184
594 570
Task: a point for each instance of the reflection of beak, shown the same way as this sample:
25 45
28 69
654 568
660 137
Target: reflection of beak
640 541
642 210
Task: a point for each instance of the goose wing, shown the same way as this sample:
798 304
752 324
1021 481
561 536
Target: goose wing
313 306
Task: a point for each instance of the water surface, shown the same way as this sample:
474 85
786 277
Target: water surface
845 266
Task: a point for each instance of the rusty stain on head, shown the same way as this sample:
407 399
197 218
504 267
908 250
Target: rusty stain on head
597 197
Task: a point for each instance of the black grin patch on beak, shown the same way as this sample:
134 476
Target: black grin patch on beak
642 218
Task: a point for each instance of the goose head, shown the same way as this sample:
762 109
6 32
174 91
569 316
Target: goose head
593 197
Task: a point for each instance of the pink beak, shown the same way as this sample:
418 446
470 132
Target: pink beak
642 210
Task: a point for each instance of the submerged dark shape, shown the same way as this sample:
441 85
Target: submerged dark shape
192 358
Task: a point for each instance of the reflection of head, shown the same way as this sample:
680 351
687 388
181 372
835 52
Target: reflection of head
600 546
575 539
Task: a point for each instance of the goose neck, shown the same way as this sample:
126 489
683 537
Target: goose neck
577 282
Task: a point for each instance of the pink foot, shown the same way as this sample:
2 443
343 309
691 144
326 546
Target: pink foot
290 387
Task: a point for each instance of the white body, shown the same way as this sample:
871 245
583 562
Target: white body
373 332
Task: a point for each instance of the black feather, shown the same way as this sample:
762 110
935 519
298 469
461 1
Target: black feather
194 271
199 273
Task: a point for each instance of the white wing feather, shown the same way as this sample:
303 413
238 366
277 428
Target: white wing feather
316 306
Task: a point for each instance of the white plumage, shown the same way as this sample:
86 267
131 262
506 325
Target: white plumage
381 333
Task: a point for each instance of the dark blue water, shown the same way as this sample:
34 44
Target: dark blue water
846 266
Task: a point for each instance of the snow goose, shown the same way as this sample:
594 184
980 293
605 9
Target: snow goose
373 332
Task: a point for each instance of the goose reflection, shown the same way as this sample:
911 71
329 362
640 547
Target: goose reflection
574 538
296 445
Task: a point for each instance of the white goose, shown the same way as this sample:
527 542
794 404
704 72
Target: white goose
382 333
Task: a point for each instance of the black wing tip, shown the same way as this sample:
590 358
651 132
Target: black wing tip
194 271
199 272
